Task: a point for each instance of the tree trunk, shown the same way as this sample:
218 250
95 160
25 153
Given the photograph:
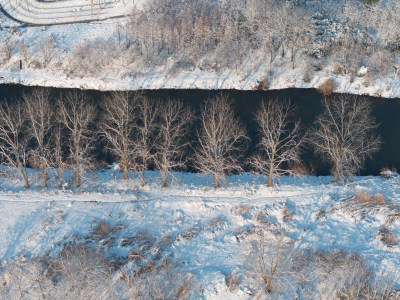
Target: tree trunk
143 182
335 177
217 183
270 175
164 180
22 169
45 177
125 169
293 54
25 178
26 182
125 161
271 53
60 177
44 168
78 179
336 174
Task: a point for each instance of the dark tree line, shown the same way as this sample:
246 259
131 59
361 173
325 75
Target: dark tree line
141 133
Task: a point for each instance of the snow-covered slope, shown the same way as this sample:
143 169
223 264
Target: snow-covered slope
60 12
283 78
209 230
119 70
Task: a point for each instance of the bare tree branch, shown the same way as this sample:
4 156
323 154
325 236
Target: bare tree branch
145 132
13 138
222 139
171 145
76 116
344 134
117 125
281 138
39 112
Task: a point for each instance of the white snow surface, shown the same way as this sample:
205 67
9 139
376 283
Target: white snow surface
71 11
283 78
209 228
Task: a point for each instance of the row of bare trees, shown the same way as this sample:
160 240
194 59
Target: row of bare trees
141 132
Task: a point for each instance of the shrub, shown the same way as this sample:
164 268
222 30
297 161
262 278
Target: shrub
387 237
79 272
338 274
232 282
158 281
338 69
263 85
271 263
307 75
299 169
388 173
327 87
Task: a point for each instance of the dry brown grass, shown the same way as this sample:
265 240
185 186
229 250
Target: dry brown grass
242 210
387 237
287 215
232 282
163 280
101 230
300 170
338 274
364 204
327 87
368 200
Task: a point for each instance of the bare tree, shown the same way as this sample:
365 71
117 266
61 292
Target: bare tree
39 112
76 116
295 23
145 132
222 139
13 140
7 48
280 138
171 144
117 126
344 134
47 47
25 51
235 44
267 30
57 158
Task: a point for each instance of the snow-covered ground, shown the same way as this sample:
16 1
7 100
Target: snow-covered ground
247 79
122 75
72 11
208 229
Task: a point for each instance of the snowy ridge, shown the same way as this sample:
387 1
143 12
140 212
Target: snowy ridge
286 78
61 12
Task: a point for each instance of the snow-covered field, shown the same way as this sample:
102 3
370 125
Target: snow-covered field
208 229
